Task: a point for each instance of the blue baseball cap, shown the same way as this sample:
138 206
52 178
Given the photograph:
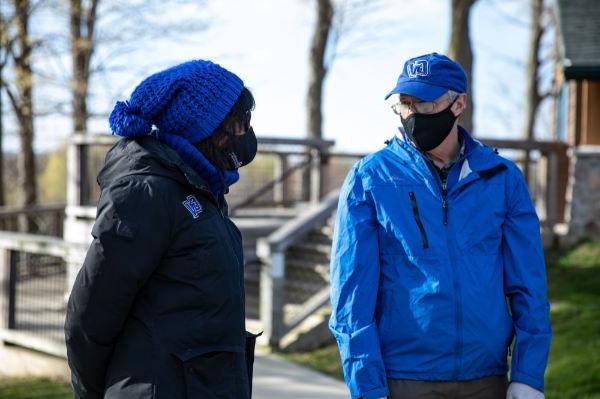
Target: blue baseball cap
428 76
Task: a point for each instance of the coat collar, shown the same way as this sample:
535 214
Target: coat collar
147 155
479 160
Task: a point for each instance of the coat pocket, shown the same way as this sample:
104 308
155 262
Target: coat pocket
418 221
215 373
250 345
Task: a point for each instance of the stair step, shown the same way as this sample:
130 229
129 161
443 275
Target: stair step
317 239
312 257
253 278
305 262
305 285
300 294
326 230
312 333
312 247
307 277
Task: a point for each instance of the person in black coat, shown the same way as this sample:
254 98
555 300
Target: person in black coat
157 310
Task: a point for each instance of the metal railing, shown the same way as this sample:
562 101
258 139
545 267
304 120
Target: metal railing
33 277
45 220
544 184
545 166
272 251
285 171
33 267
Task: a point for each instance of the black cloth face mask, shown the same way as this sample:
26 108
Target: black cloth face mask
242 150
428 131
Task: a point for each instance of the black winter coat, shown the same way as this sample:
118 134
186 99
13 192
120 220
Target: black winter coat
157 310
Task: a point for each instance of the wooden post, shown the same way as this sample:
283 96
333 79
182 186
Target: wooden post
272 299
316 180
73 174
84 186
8 282
552 190
526 172
78 189
58 219
280 191
324 186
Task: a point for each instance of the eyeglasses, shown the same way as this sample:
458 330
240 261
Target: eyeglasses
422 107
246 120
242 124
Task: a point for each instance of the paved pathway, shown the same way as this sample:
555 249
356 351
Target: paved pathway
274 378
277 378
40 311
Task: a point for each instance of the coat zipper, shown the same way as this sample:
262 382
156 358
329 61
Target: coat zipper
237 259
415 208
223 217
445 199
458 309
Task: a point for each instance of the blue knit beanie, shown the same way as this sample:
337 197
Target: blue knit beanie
189 100
186 103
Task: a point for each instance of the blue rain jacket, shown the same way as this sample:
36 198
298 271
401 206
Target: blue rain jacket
434 287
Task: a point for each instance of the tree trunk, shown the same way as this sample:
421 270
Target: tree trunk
317 68
24 83
460 51
2 194
82 22
6 44
533 64
314 95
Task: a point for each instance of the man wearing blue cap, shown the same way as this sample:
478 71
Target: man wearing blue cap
437 267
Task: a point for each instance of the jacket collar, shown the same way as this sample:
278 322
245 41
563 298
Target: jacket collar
479 159
147 155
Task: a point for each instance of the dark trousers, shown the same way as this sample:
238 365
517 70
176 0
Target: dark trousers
493 387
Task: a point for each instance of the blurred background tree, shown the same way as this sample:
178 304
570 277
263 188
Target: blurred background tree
95 41
19 89
460 51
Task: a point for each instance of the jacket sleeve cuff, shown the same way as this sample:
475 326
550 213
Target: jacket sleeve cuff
376 393
364 370
525 378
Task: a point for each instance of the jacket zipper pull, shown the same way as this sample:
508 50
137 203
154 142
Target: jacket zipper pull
445 208
444 200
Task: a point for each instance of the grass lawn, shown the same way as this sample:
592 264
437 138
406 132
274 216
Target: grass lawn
574 289
34 388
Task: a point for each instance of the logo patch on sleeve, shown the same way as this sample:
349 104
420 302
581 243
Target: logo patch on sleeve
193 206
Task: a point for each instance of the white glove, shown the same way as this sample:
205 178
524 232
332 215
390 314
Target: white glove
517 390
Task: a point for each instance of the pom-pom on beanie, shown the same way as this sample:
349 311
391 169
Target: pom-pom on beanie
186 103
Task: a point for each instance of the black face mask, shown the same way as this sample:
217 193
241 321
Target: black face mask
242 150
428 131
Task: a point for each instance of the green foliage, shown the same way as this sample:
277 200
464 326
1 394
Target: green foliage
34 388
586 255
574 286
574 291
52 181
325 360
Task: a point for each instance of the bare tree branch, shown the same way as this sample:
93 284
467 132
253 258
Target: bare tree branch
511 19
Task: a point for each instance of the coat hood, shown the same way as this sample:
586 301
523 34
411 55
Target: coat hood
147 156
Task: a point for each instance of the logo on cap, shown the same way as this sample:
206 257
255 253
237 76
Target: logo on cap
193 206
418 68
